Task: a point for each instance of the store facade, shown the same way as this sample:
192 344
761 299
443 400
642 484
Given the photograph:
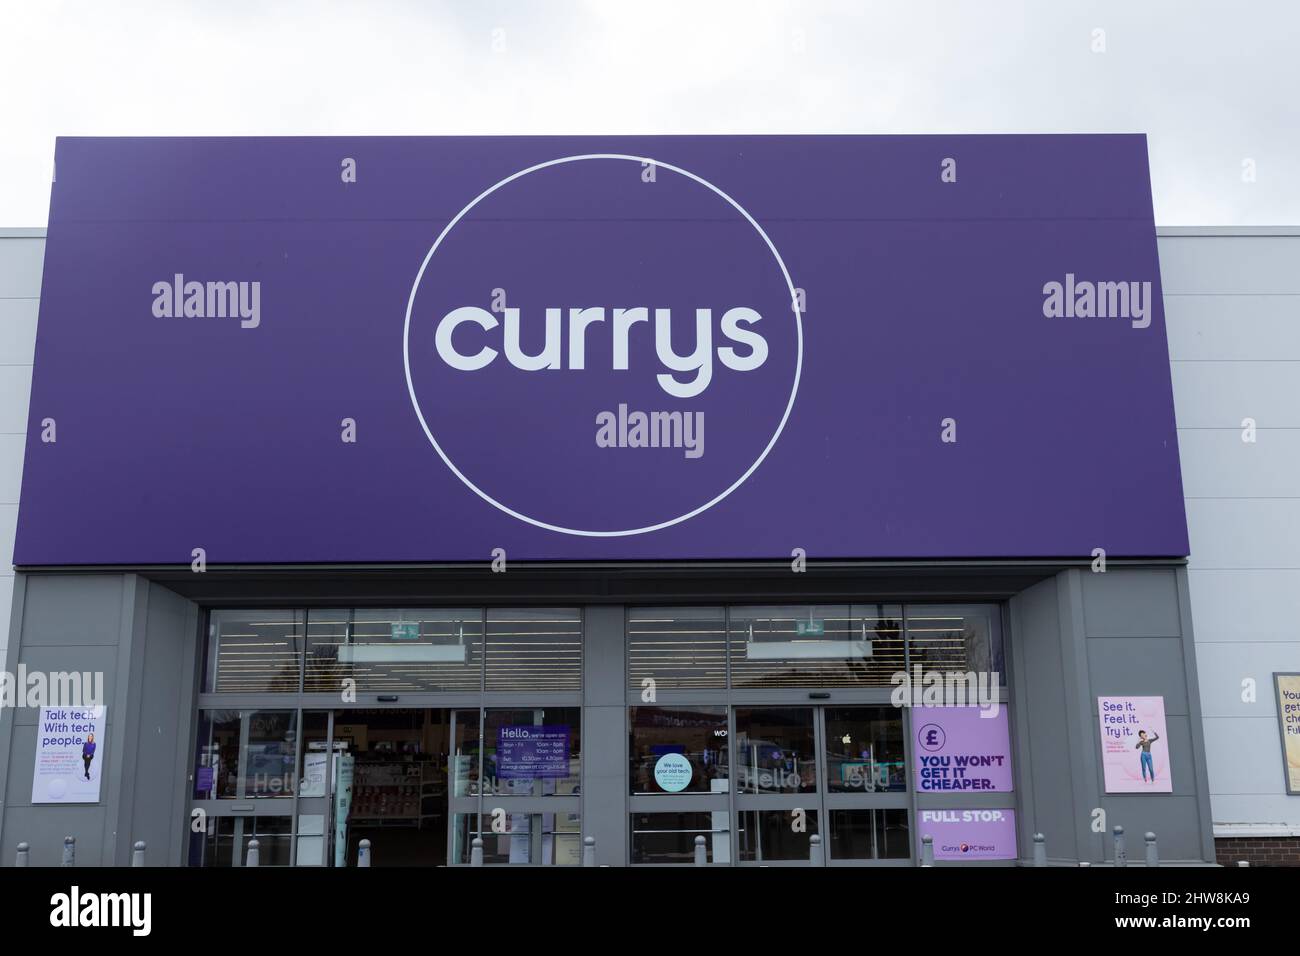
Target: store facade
395 533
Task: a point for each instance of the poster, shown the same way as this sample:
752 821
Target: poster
1287 688
959 750
69 755
969 834
1134 745
528 753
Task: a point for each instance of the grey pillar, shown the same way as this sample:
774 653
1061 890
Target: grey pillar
69 851
254 853
701 853
137 853
1121 854
815 857
476 852
23 852
1153 856
927 850
363 853
604 732
589 851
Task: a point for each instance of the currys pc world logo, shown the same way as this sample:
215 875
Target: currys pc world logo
603 345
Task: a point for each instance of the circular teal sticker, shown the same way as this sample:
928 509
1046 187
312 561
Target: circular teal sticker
673 772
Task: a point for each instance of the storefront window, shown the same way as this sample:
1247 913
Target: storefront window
533 752
775 750
869 835
767 836
534 649
677 648
394 650
864 750
956 637
678 749
253 652
815 645
670 837
226 839
541 839
216 759
271 754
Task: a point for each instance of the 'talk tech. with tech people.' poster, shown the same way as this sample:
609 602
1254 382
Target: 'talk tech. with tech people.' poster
69 755
1134 745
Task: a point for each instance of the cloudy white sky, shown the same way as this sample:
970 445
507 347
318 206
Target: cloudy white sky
1212 82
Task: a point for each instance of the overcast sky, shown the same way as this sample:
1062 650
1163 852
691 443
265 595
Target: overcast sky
1213 84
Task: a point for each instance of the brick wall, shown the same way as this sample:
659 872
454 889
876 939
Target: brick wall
1260 851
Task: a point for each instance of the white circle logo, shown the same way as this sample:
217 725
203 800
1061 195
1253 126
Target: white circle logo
486 415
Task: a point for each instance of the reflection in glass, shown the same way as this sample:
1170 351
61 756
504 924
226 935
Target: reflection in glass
699 734
268 768
767 836
965 637
775 750
864 750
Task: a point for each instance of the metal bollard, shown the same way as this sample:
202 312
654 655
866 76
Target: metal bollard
815 856
927 850
254 853
69 851
23 852
476 852
1121 855
1040 850
701 853
1153 855
137 853
589 851
1243 862
1084 863
363 853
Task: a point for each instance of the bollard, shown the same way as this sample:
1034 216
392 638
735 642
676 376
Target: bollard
69 851
476 852
1153 856
589 851
254 853
363 853
1084 863
1121 855
137 853
1243 862
1040 850
815 856
927 850
23 851
701 854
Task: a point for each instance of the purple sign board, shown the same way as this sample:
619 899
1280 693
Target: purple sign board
527 752
969 834
958 749
600 348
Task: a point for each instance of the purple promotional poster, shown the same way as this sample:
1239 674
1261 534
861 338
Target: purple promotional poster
308 350
961 749
527 752
969 834
1134 745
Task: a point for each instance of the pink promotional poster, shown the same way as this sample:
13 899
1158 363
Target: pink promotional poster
1134 745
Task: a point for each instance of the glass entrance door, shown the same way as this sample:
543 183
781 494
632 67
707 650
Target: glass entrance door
838 772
